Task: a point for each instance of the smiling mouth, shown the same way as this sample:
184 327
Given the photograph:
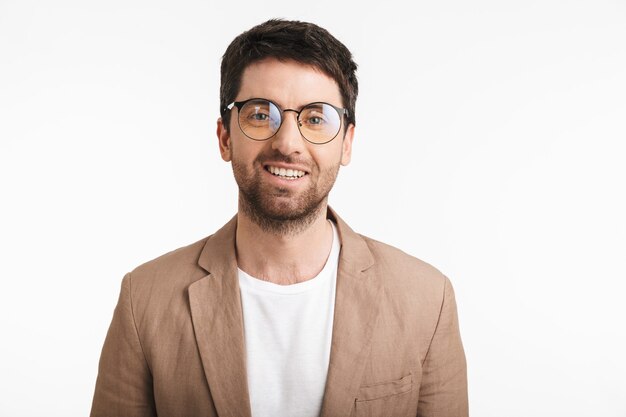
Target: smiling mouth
288 174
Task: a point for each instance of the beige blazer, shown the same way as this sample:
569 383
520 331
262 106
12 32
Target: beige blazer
175 347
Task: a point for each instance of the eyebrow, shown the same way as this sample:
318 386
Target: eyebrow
282 107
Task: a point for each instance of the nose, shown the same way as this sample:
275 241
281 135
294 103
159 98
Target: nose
288 139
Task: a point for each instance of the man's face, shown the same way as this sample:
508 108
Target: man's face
268 197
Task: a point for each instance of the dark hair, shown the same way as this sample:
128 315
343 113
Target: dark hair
284 40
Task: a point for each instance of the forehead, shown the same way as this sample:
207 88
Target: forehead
288 83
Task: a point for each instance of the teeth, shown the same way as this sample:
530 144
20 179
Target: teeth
288 173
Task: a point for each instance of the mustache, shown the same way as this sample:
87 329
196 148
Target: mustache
279 157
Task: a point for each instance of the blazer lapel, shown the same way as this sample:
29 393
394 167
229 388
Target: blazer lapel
356 309
218 324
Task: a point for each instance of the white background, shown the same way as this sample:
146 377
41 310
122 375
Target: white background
490 143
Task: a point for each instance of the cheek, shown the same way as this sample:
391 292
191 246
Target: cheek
243 152
327 155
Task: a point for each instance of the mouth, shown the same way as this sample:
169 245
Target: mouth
285 173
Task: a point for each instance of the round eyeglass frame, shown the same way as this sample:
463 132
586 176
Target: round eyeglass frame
239 104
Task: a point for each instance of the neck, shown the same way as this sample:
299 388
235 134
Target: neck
284 258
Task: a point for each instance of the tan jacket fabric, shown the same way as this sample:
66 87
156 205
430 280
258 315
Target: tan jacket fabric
175 347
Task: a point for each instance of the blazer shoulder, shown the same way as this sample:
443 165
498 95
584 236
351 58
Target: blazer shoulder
177 266
404 269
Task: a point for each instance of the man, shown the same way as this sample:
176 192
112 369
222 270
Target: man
284 311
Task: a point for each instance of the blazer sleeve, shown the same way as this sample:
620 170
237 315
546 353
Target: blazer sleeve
124 384
443 391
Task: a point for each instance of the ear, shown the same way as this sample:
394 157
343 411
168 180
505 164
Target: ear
346 146
224 140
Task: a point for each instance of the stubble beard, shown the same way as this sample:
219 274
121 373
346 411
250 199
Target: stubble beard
295 213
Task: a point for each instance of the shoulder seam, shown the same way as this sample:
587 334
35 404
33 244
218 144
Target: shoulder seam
132 314
443 301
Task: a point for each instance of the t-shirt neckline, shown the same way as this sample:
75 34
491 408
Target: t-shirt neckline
250 283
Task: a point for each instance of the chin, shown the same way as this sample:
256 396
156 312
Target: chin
288 210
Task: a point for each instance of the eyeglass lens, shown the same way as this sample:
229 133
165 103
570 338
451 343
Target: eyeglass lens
261 119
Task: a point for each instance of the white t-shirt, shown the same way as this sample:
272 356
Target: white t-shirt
288 330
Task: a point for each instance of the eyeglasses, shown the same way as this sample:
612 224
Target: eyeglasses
260 119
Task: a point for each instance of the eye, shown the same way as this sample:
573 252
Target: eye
315 117
259 117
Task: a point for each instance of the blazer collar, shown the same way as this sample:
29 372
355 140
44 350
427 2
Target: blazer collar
218 253
218 322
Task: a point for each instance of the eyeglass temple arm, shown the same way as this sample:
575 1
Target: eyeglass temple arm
229 107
